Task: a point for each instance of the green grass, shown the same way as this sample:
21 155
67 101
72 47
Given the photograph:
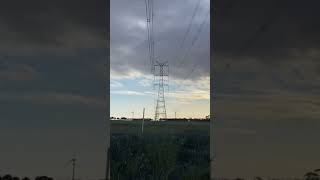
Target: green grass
166 150
152 127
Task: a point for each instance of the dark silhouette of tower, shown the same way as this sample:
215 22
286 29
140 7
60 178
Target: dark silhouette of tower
73 161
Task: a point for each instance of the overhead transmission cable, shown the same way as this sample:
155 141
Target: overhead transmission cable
148 29
149 16
247 45
190 24
151 42
263 27
188 28
152 35
196 37
194 67
269 20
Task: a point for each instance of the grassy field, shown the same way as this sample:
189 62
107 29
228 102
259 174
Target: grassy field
166 150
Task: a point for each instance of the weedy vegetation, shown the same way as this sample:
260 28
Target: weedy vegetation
165 151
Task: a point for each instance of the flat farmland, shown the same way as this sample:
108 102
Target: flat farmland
167 150
160 127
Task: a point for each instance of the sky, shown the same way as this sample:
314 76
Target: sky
131 79
266 76
53 87
52 82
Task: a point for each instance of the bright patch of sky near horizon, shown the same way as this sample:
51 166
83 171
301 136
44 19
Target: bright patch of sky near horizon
131 86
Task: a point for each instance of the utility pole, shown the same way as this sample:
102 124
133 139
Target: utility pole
73 167
142 121
161 75
108 124
212 156
73 161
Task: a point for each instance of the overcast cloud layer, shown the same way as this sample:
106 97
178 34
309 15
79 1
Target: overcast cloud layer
188 64
52 87
171 19
266 73
267 89
34 27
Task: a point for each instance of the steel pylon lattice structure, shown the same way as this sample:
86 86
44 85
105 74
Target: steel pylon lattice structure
161 78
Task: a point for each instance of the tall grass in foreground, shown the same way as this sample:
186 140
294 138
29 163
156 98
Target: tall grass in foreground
160 157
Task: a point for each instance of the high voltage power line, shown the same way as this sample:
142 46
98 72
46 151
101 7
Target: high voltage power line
196 37
159 69
150 31
263 27
194 67
181 63
190 23
187 32
149 16
157 64
188 28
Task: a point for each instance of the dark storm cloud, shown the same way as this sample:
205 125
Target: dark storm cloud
54 98
52 26
266 80
82 74
272 40
17 72
128 37
266 28
53 86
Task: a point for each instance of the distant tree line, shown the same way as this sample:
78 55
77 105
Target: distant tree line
207 118
118 117
311 175
10 177
185 119
124 118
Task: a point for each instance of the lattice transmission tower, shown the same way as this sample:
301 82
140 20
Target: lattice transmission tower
161 78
